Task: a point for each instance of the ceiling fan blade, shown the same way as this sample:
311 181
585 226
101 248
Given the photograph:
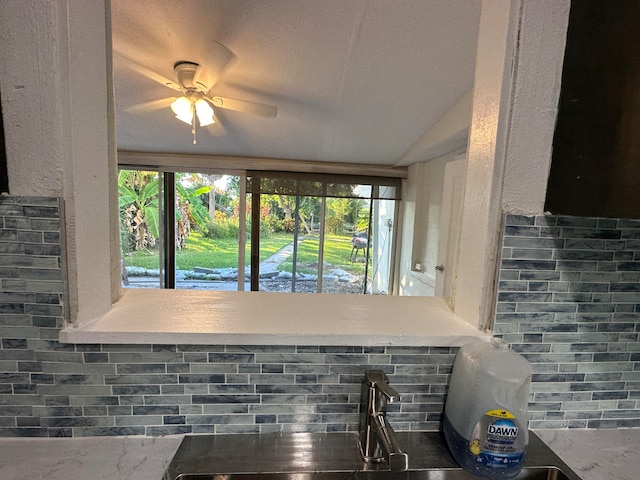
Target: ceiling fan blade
215 130
260 109
150 106
213 62
147 72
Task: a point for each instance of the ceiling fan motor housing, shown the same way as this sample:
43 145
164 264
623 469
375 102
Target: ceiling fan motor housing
186 71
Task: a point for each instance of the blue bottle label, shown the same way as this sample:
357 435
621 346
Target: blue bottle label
497 440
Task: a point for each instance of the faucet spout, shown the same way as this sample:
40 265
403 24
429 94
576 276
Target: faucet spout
390 394
378 440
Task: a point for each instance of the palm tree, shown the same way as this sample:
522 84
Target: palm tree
190 209
211 180
139 207
139 203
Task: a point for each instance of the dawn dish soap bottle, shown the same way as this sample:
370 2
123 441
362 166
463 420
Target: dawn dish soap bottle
485 417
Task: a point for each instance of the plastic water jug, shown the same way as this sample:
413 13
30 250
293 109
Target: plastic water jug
485 418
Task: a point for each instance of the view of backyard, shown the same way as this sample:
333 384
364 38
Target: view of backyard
201 255
207 228
200 251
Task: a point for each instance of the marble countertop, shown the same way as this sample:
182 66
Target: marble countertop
597 454
86 458
593 454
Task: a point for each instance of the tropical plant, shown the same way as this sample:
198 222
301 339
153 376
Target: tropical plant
138 206
337 210
190 209
359 214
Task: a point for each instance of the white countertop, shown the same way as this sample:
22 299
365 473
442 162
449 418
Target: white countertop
90 458
597 454
593 454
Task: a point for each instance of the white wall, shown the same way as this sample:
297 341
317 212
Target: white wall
535 108
382 246
35 95
421 219
512 55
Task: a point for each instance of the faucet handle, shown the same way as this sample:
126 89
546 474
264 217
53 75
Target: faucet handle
374 377
379 380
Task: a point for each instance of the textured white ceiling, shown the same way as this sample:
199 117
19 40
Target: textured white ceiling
353 80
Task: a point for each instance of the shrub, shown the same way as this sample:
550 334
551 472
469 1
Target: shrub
222 227
270 224
288 225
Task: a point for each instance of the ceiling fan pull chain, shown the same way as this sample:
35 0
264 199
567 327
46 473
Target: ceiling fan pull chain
193 125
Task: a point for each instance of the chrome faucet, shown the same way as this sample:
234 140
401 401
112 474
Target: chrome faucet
378 441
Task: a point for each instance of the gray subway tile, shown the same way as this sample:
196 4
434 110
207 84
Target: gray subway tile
522 264
140 379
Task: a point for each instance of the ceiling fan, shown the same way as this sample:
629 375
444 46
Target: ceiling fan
196 104
196 101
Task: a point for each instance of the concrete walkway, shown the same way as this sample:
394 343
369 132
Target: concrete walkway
270 265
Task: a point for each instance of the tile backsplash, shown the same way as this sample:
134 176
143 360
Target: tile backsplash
566 301
569 301
52 389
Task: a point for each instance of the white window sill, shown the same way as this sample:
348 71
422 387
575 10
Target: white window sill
422 277
144 316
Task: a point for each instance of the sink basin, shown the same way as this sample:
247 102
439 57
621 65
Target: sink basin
528 473
335 456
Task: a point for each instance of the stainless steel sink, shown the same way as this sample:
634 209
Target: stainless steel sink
529 473
335 456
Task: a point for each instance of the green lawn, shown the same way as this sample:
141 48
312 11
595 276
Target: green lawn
204 252
337 249
200 251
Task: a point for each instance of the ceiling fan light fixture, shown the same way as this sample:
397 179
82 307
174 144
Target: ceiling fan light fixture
204 112
183 109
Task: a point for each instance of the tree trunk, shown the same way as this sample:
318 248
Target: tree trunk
288 212
211 180
304 224
212 203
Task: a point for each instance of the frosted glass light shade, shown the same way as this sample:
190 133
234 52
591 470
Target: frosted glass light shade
204 112
182 108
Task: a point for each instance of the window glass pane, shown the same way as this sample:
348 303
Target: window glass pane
293 267
247 235
387 192
309 184
348 190
140 231
289 186
344 240
361 190
306 261
207 228
276 242
306 252
345 252
276 250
